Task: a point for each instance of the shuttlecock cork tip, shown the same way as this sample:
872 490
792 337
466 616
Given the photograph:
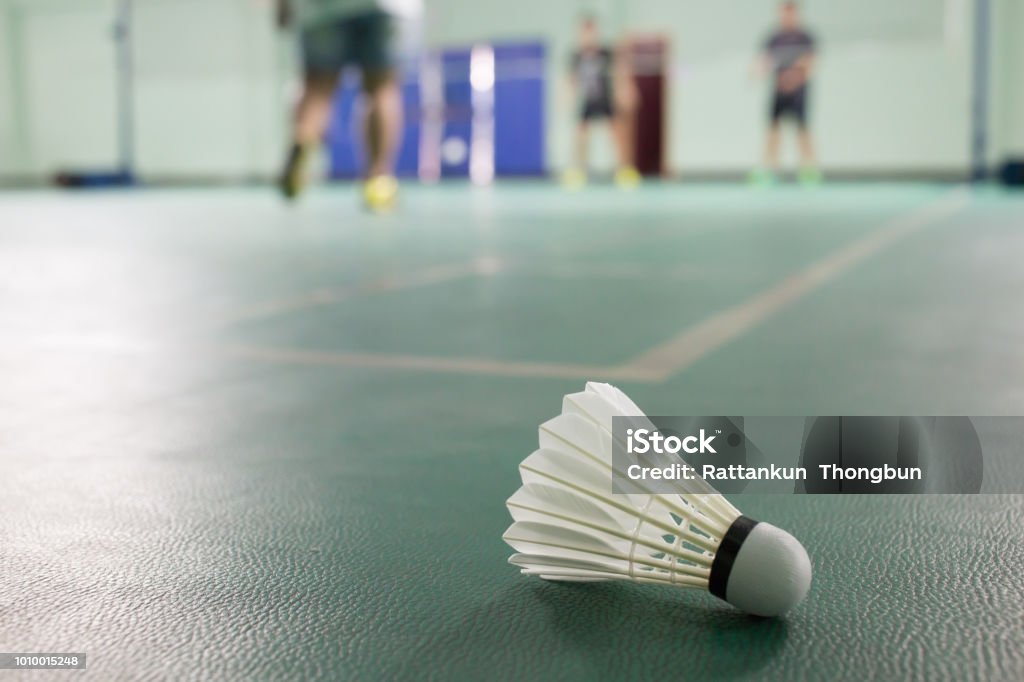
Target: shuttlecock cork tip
760 569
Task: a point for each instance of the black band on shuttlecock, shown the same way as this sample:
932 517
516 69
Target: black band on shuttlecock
725 557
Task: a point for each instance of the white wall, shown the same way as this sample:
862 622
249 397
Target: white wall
59 86
892 92
1007 112
71 96
209 87
210 97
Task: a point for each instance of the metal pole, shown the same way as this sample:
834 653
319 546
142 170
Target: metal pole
125 88
980 93
21 163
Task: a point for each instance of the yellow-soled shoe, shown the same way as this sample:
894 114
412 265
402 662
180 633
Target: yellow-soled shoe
380 193
574 179
627 177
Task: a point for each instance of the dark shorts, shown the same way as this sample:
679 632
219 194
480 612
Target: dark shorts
373 41
791 105
597 109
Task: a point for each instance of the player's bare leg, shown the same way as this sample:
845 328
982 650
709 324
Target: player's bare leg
765 175
771 147
626 175
809 173
312 115
623 126
383 131
383 120
576 176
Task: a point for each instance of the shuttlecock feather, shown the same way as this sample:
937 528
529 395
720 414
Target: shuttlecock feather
570 526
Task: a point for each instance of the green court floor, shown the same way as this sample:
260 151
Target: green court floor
241 440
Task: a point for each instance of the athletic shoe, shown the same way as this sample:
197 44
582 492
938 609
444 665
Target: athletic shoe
762 177
293 177
380 193
574 179
810 177
627 178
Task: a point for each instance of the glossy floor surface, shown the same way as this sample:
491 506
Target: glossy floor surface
240 440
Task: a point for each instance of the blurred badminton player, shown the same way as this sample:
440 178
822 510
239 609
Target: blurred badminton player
372 35
789 54
599 82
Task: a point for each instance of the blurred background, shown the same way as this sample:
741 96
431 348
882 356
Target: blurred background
247 439
192 91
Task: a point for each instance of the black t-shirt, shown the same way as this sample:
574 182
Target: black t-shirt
787 48
593 69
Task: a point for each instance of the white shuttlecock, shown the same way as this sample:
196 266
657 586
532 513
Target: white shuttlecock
568 525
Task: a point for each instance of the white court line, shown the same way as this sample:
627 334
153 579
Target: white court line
690 345
413 279
617 271
481 266
666 359
480 366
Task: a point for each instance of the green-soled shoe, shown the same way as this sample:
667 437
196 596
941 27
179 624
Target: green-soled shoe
811 177
762 177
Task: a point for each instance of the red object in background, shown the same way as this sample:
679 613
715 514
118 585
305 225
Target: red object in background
649 65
